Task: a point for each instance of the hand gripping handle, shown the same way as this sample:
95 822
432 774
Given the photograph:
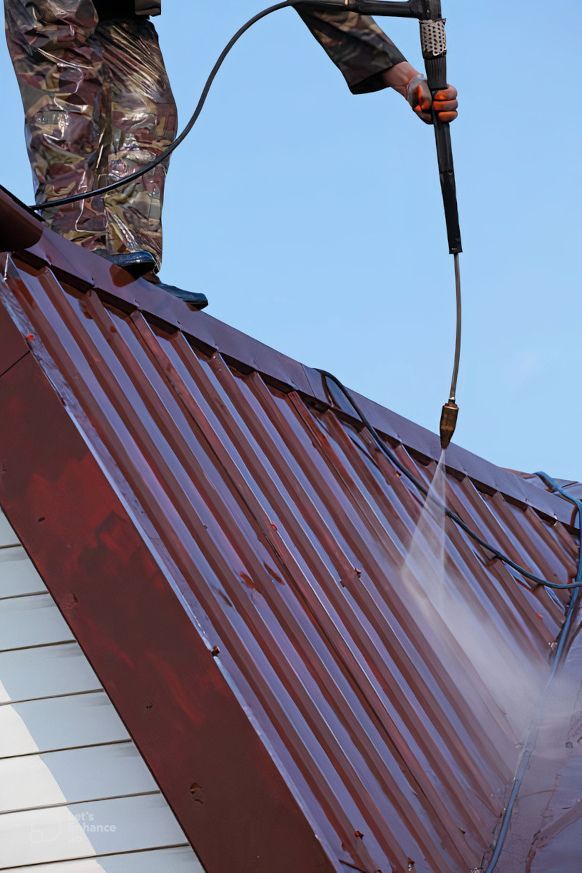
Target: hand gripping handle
434 49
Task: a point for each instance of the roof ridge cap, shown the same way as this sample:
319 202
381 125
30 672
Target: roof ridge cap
86 271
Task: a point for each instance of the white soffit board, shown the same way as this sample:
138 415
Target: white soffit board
75 794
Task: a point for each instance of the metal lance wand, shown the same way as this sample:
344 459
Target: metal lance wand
434 49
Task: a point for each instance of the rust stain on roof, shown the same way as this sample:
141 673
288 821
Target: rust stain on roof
280 532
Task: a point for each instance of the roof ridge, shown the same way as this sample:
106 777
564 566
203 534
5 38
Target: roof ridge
86 271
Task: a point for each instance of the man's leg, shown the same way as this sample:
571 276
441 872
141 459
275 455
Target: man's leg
143 124
59 68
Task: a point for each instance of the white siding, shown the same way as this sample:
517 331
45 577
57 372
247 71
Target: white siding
17 574
31 621
165 861
7 536
59 723
102 828
72 776
30 674
75 794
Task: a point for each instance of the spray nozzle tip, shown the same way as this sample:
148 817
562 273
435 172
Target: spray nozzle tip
449 419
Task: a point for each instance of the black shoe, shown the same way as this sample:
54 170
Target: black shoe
193 298
136 263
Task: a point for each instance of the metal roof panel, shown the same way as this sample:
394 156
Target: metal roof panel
281 532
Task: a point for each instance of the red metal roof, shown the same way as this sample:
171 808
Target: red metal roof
234 548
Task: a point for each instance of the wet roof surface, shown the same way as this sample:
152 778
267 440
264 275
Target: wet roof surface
282 532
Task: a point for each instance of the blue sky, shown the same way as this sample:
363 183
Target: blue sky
313 218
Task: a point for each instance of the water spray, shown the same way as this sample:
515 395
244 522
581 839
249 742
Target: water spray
433 36
434 49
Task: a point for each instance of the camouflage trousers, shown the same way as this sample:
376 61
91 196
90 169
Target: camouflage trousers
98 105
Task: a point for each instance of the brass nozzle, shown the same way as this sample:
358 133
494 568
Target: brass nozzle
449 418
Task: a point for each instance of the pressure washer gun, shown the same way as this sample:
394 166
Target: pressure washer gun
434 50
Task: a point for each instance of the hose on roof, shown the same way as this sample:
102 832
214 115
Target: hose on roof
575 587
565 633
64 201
557 662
493 550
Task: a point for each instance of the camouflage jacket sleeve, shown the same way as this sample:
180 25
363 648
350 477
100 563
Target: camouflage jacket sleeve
356 45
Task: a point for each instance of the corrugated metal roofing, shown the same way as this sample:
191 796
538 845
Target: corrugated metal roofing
282 532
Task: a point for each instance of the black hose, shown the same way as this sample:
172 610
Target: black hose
113 186
167 153
389 454
392 457
493 550
557 661
99 192
564 637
